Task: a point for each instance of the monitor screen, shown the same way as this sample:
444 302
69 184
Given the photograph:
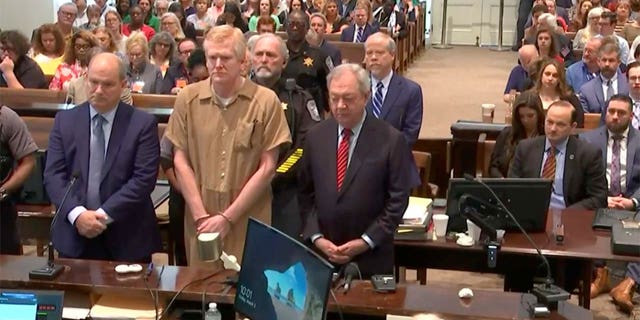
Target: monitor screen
18 305
527 199
280 277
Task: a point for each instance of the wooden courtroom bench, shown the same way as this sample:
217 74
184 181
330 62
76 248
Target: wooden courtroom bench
153 100
19 96
351 52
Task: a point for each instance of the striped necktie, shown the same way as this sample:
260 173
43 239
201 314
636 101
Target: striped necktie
615 189
377 100
360 36
549 168
342 158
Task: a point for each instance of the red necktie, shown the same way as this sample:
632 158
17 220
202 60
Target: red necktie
342 157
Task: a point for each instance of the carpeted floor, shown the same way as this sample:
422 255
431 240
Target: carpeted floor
455 83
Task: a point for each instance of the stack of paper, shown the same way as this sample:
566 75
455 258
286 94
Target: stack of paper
418 213
124 307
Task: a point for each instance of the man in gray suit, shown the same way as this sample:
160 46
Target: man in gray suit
620 146
575 166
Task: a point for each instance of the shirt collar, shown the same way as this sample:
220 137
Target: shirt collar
625 133
247 90
356 129
613 79
561 148
385 81
109 115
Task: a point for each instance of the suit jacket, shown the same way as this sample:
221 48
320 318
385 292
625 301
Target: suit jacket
129 177
331 51
350 7
402 107
599 138
592 96
585 184
378 172
347 34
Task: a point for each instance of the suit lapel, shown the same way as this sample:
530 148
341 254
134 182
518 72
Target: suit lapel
539 151
363 146
331 147
81 132
569 159
393 93
118 131
604 139
599 93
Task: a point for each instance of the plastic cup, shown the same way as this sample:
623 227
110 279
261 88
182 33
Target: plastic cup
500 234
488 110
440 221
473 230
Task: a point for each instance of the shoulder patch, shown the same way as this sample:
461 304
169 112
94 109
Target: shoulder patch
329 63
313 110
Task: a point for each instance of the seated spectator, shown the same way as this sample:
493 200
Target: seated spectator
360 29
177 76
284 15
161 7
187 7
66 15
586 69
410 10
560 14
590 30
561 43
171 24
335 22
162 48
527 122
188 28
545 43
607 23
266 24
149 18
527 54
105 40
551 87
226 18
202 20
17 70
316 6
75 61
217 8
318 24
81 17
77 91
579 19
395 21
142 75
122 7
536 12
48 48
631 31
93 15
238 22
113 23
197 66
623 13
137 24
266 10
595 93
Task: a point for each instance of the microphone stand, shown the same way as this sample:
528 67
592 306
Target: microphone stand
547 292
50 271
468 209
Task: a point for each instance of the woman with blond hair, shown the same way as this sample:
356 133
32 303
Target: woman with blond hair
113 23
106 41
48 48
142 75
171 24
590 30
76 60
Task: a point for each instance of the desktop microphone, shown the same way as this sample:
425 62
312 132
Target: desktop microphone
350 271
50 271
547 291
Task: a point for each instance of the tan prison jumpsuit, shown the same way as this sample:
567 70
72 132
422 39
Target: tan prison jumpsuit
223 146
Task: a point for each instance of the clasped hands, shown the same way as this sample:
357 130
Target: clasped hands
620 202
213 223
91 224
344 253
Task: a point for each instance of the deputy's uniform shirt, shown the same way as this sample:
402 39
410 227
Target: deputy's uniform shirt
310 67
223 144
15 143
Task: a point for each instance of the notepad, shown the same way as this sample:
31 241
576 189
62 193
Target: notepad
124 307
417 210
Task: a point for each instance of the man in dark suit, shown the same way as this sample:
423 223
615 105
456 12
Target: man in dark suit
114 151
345 7
348 158
360 29
595 93
395 99
575 166
319 25
619 143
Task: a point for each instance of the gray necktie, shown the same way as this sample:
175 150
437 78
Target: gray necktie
609 90
615 188
96 160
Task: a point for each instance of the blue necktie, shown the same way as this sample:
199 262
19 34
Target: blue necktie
96 161
359 38
377 100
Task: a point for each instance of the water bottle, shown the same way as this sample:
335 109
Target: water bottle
212 313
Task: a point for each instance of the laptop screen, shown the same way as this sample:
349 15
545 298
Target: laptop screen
280 277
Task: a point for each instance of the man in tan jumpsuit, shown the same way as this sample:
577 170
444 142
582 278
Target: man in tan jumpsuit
226 132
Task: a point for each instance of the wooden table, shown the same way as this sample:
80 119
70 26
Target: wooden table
98 277
581 246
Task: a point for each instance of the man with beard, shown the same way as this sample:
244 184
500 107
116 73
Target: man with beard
595 93
269 57
586 69
633 74
307 65
620 146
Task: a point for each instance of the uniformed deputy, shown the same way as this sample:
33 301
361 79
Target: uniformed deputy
269 57
16 146
309 66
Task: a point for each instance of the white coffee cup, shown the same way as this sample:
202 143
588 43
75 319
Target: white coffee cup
440 221
488 110
473 230
500 234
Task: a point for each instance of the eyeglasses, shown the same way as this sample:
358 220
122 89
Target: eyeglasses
164 45
168 23
67 13
186 52
81 47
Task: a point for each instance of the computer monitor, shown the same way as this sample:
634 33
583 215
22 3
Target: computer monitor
280 277
30 304
527 199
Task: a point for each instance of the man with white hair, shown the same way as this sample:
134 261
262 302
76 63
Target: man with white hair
67 14
161 7
347 158
586 69
527 54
